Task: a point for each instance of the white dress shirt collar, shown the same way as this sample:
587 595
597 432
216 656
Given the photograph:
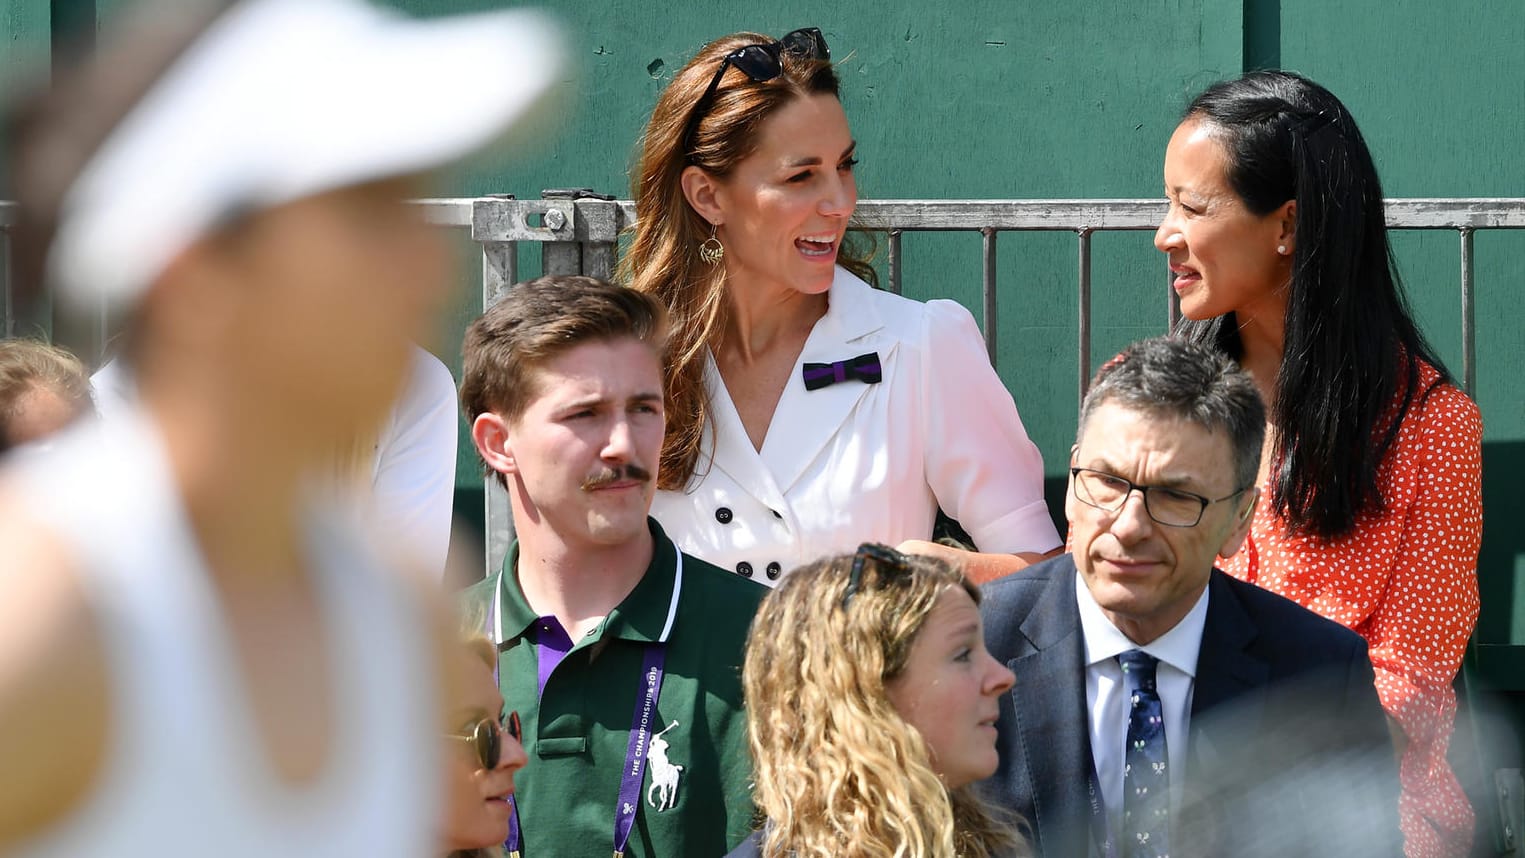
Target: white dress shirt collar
1178 647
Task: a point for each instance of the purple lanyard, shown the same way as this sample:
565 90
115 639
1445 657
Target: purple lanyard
634 773
547 655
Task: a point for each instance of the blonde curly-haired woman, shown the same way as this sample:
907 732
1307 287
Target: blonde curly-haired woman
870 719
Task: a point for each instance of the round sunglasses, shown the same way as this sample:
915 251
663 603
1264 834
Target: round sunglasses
486 737
760 63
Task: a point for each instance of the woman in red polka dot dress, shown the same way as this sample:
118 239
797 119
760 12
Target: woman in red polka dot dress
1372 469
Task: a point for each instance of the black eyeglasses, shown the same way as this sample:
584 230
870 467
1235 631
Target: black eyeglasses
888 558
1167 506
486 737
760 63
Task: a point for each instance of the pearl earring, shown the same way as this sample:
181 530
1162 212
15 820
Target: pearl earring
1282 249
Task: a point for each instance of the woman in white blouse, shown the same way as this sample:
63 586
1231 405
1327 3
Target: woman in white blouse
807 411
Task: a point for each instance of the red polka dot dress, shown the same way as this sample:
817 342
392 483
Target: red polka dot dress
1405 579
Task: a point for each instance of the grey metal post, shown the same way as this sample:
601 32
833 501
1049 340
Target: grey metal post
9 324
7 303
486 218
895 261
560 257
1468 318
1083 236
500 270
987 287
598 232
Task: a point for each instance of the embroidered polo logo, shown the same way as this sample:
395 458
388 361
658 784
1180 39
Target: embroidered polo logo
664 774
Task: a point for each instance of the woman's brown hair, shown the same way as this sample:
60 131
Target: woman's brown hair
663 258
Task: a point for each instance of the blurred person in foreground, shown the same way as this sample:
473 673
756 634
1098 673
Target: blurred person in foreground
42 390
193 655
621 653
488 751
869 722
1164 707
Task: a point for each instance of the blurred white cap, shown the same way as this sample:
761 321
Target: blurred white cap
283 99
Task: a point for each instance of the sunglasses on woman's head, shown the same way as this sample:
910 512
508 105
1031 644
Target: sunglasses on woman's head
486 737
872 552
760 63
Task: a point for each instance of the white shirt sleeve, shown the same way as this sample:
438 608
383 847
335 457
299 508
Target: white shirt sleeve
986 473
414 481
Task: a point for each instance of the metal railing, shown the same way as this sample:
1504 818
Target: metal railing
579 234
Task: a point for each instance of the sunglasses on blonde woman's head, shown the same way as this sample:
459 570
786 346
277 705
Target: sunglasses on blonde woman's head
760 63
888 559
486 737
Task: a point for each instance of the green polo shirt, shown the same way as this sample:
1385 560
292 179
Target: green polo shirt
577 730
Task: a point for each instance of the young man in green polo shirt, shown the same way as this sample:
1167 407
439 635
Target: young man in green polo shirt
621 655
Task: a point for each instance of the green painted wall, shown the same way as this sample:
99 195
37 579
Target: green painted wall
24 40
1439 90
25 36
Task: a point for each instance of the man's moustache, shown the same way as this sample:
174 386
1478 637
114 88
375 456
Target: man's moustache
609 476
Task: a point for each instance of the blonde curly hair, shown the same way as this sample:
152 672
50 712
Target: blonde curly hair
836 765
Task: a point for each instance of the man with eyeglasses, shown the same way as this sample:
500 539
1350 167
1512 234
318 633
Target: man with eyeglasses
1162 707
621 654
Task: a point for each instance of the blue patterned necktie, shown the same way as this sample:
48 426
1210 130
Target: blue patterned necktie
1146 781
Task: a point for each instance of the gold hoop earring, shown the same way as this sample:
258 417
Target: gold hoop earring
711 250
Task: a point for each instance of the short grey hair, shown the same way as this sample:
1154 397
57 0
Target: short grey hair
1172 378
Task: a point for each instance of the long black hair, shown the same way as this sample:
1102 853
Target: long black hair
1350 344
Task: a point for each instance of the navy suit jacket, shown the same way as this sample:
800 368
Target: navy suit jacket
1289 748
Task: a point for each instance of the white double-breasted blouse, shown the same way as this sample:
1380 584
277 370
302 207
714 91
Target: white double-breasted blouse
855 462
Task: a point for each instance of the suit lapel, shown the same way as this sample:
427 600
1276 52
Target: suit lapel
1049 702
807 420
1227 672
